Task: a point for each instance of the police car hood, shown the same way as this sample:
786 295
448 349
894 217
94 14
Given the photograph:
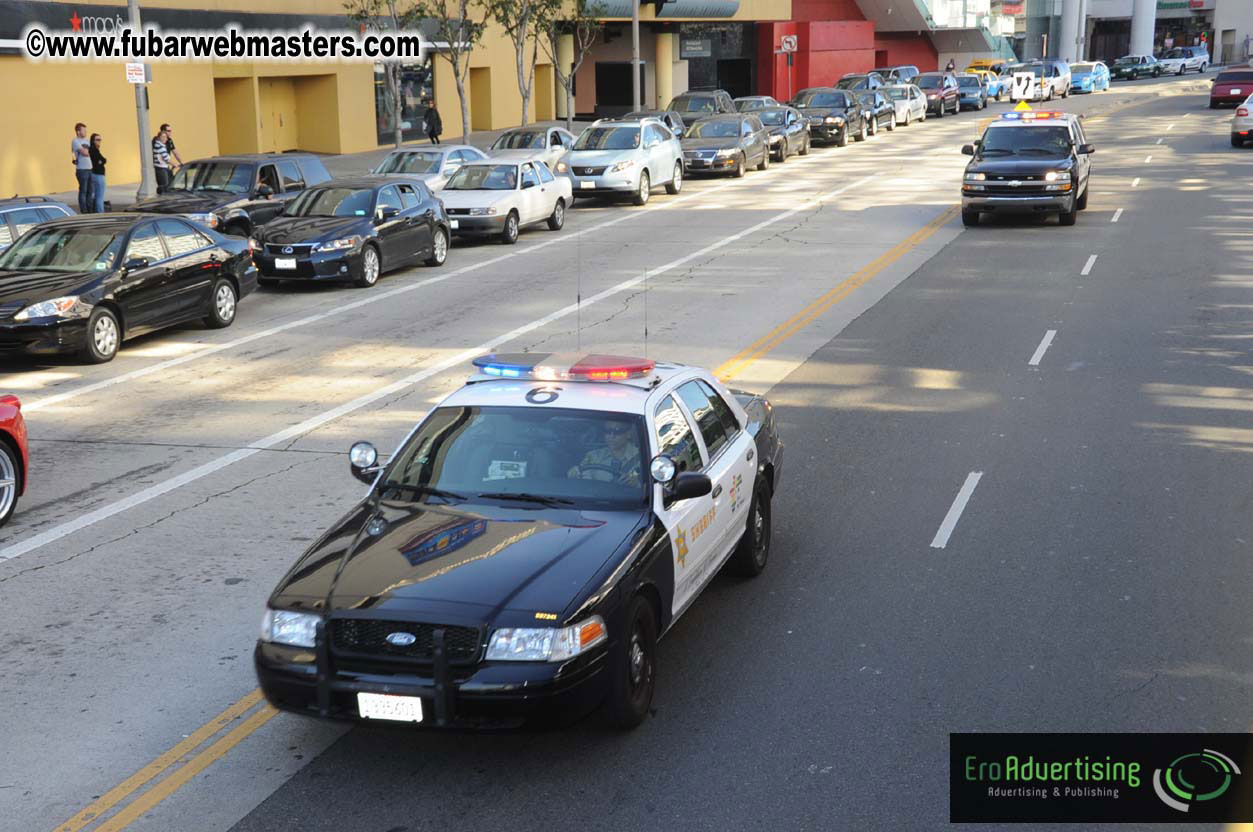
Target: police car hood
1019 165
473 559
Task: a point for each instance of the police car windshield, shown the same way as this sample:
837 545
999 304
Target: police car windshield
422 162
62 249
332 202
586 458
1026 141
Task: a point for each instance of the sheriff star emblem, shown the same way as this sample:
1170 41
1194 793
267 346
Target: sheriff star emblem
680 546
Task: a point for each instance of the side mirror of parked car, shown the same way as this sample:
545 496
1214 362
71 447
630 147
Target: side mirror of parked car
386 213
527 184
968 150
1087 148
135 263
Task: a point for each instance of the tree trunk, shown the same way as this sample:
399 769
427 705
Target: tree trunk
569 105
394 74
465 105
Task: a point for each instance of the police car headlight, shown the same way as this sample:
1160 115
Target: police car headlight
976 177
56 308
299 629
1057 176
337 245
546 644
211 220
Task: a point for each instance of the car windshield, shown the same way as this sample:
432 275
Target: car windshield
714 130
213 176
969 81
1176 53
1125 60
929 82
821 99
856 82
411 162
1037 69
694 104
608 138
332 202
588 458
1081 69
773 118
63 249
897 93
1024 141
484 178
743 104
521 140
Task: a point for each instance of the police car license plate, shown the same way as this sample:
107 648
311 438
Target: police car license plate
284 262
587 185
389 707
453 224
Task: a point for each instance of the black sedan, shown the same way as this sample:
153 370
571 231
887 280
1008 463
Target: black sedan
726 144
833 114
880 111
789 131
84 284
353 229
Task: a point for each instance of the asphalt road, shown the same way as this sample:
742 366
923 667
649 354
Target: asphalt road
1097 580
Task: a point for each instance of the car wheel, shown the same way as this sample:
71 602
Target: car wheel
645 189
676 181
892 124
907 114
369 274
223 303
873 130
741 164
805 147
9 482
782 152
633 667
558 216
1068 217
753 551
509 234
1082 203
861 133
104 336
1203 68
1181 70
765 159
439 248
842 140
1237 141
970 218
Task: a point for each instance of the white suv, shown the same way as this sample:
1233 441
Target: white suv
1184 58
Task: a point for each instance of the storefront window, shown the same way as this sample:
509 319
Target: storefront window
417 84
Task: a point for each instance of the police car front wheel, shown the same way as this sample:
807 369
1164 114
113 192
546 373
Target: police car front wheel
633 671
750 557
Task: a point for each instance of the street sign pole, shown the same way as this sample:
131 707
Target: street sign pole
147 176
635 56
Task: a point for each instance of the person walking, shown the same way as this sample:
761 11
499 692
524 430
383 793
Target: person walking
82 166
169 145
161 160
434 124
950 66
97 174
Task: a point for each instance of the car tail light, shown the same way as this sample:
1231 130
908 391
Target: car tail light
1242 111
12 401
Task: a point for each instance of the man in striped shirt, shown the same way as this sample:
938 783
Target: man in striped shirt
161 160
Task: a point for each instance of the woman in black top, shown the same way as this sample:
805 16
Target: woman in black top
97 174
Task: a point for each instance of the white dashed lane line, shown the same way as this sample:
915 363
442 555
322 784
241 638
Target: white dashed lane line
1034 361
955 511
1117 214
1148 159
1135 182
1087 267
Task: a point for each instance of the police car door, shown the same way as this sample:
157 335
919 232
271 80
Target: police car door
676 439
730 463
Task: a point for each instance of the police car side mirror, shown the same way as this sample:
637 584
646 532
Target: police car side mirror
968 150
689 485
363 460
1086 148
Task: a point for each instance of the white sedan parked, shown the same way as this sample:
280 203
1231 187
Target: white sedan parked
1242 123
909 101
499 197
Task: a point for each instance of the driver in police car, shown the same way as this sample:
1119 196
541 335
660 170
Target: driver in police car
617 461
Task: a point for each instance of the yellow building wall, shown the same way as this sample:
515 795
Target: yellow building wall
235 100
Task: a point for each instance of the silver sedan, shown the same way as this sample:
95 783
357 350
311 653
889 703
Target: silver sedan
433 164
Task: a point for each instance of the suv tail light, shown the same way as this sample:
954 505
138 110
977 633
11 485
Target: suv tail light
1242 111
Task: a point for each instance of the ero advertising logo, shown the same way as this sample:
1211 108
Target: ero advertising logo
1100 778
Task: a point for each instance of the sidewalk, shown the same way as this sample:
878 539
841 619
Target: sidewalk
347 164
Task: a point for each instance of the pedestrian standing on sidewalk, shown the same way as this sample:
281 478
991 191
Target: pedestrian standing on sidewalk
97 174
161 160
434 124
169 145
82 166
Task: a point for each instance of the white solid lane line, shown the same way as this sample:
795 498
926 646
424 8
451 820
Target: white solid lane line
1039 351
314 422
1135 182
1087 267
955 510
1117 214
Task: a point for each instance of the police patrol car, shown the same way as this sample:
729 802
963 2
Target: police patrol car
1028 163
526 546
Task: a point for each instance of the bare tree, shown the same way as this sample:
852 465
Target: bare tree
519 19
384 15
582 25
458 27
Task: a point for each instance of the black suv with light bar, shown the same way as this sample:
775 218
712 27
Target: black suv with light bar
1028 163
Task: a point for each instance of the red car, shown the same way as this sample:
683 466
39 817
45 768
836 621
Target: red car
1231 86
14 458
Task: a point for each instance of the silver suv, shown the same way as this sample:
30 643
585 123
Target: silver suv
632 156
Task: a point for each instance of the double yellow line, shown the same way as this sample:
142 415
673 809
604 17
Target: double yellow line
191 766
